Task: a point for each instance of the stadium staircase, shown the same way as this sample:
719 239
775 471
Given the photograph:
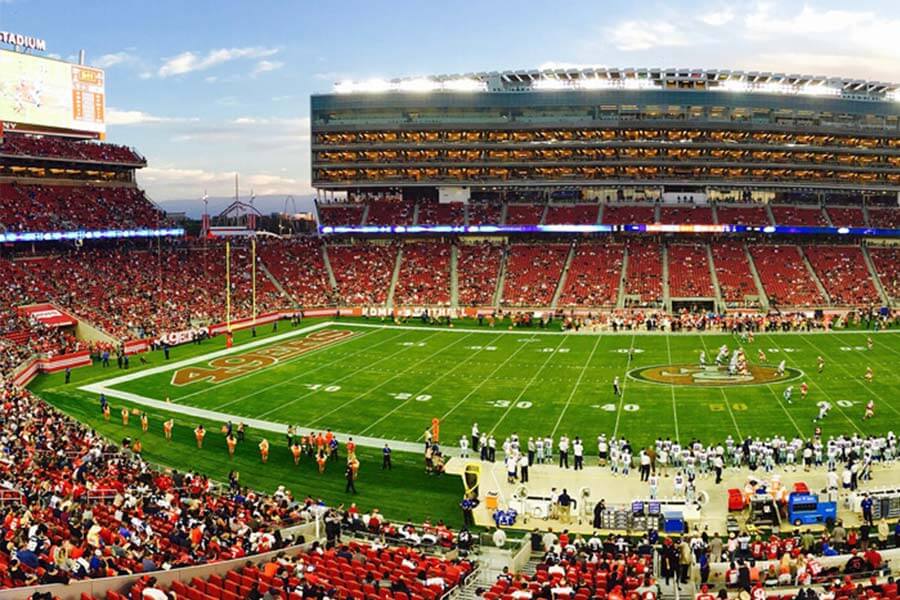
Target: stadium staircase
720 302
874 275
657 218
826 215
454 275
331 279
815 277
770 214
865 209
503 215
501 278
561 284
763 299
365 214
715 213
599 214
277 284
620 296
667 299
544 213
415 219
394 277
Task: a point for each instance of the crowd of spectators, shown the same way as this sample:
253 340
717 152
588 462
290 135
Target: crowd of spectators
843 272
689 274
68 149
784 275
594 275
424 278
532 273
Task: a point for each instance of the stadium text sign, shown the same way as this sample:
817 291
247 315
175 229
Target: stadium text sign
23 41
228 367
694 375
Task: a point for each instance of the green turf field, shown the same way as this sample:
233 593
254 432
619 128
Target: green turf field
388 382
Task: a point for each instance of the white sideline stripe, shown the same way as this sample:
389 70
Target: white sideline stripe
259 424
633 332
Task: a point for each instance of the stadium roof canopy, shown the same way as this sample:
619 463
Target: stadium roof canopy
596 78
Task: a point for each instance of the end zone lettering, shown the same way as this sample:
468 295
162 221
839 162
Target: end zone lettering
228 367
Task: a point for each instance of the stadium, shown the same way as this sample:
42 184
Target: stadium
578 333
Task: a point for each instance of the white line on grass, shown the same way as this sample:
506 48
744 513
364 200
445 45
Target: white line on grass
431 383
784 408
577 383
672 388
513 403
391 378
725 398
624 384
826 394
269 388
855 378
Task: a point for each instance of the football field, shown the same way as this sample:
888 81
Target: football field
387 382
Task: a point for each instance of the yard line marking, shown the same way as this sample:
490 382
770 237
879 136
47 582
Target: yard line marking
384 381
855 379
527 385
624 383
405 402
672 388
577 382
784 408
489 377
822 389
725 398
303 374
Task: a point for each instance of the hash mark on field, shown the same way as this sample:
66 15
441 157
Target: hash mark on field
370 390
624 384
512 404
577 382
431 383
290 379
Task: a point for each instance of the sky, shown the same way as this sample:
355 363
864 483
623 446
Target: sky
208 89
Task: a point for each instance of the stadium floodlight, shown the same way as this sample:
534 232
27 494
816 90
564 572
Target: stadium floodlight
464 85
420 84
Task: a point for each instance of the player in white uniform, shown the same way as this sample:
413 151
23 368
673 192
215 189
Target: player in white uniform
463 447
788 393
781 367
824 407
702 358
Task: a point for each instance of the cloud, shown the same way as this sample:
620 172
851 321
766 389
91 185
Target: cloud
116 58
717 18
258 134
170 182
115 116
189 62
642 35
766 22
266 66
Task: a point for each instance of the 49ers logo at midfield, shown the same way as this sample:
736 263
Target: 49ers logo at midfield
228 367
712 375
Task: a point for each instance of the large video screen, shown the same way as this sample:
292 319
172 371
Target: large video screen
51 93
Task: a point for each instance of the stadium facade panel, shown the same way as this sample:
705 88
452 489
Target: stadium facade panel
837 138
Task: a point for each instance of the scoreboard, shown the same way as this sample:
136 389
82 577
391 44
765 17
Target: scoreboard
47 93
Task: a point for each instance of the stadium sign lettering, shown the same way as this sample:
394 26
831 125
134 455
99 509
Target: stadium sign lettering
228 367
23 41
712 375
